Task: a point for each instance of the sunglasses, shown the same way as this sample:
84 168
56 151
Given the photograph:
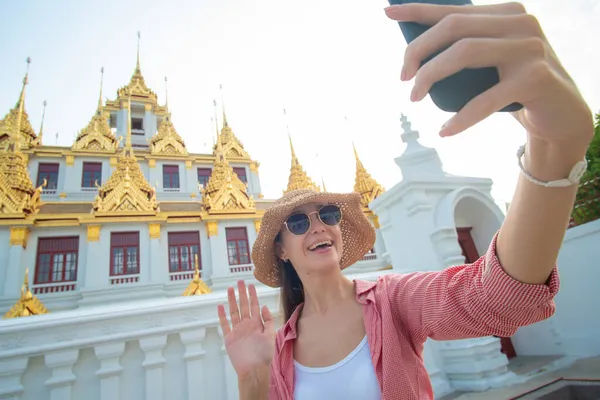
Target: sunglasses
299 223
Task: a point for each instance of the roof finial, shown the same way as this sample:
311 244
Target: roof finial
17 133
137 66
100 97
323 183
225 124
166 95
219 149
408 134
42 124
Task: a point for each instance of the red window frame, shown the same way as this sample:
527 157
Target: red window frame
125 242
56 260
48 171
182 248
241 173
94 170
238 250
467 245
204 175
171 177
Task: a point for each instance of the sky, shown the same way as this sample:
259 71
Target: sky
333 65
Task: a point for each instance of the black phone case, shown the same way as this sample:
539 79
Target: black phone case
452 93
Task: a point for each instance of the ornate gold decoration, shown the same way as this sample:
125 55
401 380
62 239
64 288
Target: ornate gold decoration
17 119
113 161
147 107
97 136
152 162
70 160
62 195
167 141
232 147
154 230
188 164
212 228
224 190
197 286
298 178
28 304
254 166
365 185
93 233
18 197
375 220
137 85
257 224
19 236
127 190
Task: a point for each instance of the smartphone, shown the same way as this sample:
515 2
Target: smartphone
452 93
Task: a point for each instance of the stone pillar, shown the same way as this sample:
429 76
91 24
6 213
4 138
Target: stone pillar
254 180
110 369
475 364
194 361
150 127
216 250
95 277
10 379
159 269
14 270
62 379
154 363
191 179
231 385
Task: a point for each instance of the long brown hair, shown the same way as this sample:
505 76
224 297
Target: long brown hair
292 290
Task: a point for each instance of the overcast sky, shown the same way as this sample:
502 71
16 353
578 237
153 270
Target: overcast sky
320 59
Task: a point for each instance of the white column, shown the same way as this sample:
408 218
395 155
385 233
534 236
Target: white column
231 385
194 360
154 363
62 379
13 280
439 381
110 369
10 378
475 364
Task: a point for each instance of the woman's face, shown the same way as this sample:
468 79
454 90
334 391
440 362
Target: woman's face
317 251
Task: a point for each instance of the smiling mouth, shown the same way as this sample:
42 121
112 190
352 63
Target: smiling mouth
320 245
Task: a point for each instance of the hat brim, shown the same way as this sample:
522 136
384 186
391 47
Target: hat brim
358 234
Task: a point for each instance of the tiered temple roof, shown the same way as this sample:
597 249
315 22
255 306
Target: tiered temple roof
298 178
364 184
27 304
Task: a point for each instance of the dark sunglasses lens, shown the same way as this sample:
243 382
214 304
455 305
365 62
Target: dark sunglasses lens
298 224
330 215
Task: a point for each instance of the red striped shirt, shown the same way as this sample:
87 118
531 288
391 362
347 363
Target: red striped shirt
401 311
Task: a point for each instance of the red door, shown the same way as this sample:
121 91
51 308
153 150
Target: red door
469 251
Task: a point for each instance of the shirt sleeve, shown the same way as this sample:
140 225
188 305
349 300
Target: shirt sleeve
466 301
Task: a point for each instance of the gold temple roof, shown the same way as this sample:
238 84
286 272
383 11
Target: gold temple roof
365 185
197 286
298 178
167 141
127 190
17 117
224 189
231 144
27 304
97 136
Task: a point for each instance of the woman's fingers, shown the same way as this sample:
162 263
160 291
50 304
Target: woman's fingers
430 14
233 307
268 319
455 27
254 306
223 319
244 306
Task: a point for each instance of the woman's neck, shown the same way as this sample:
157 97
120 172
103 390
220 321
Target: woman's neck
322 294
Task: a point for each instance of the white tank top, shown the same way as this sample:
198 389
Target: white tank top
352 378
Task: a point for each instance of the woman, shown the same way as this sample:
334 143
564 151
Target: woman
364 340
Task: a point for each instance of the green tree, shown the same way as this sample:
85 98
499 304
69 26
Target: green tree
593 153
587 203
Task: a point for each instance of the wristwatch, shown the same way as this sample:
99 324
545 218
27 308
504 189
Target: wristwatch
573 178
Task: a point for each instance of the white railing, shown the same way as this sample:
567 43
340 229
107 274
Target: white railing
122 279
57 287
236 269
171 190
89 189
182 275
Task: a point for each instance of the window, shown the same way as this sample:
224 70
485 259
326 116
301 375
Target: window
137 126
183 247
92 173
49 172
467 245
113 120
237 246
57 260
170 177
241 173
124 253
204 175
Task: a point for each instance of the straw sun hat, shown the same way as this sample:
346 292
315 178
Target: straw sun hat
358 234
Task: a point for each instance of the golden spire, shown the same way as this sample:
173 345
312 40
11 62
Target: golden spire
126 192
166 95
137 85
298 178
24 134
28 304
167 141
97 136
224 189
41 134
197 286
323 184
232 146
365 185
